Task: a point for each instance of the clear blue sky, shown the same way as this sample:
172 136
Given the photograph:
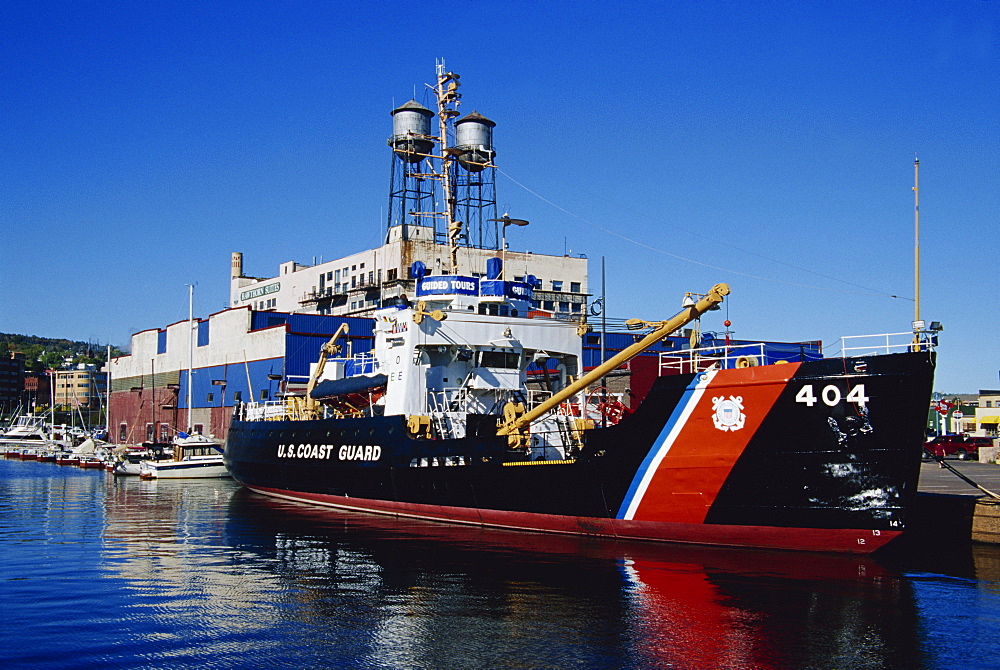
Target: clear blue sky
767 145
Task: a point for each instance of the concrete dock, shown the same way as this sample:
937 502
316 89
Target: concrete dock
935 479
949 508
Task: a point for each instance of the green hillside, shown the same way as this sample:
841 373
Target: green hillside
46 352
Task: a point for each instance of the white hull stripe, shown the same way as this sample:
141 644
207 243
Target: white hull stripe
664 441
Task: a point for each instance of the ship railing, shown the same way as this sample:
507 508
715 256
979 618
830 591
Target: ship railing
273 410
724 356
886 343
447 408
450 400
537 397
466 400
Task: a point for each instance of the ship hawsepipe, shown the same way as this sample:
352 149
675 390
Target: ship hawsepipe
816 455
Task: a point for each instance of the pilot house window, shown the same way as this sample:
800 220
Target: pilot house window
499 359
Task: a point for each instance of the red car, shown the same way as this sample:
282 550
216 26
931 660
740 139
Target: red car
961 447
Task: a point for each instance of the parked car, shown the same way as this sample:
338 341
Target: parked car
961 447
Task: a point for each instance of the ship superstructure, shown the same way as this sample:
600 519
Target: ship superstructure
460 352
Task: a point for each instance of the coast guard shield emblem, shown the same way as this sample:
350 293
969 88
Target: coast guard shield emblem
728 413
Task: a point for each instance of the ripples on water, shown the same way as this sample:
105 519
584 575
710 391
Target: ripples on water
100 571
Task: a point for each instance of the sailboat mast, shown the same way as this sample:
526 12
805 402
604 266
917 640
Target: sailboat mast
107 396
52 401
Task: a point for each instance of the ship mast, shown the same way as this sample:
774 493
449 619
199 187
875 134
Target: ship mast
916 242
446 92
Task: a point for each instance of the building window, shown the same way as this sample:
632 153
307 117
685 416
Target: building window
238 396
564 307
122 433
149 432
574 287
329 276
263 394
371 276
576 308
210 397
549 305
392 274
199 428
557 285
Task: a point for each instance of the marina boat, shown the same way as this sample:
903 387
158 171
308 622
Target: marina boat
473 408
28 430
91 462
31 436
67 458
127 465
89 454
195 457
127 461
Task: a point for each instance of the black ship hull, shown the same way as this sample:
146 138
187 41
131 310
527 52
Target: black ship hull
820 455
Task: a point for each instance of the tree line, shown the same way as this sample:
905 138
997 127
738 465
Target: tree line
42 353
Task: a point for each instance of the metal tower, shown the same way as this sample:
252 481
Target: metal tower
442 185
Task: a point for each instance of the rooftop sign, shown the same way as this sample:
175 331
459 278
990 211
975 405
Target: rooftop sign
259 291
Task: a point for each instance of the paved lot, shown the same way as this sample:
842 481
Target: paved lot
935 479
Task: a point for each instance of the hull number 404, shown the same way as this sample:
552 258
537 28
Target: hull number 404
831 395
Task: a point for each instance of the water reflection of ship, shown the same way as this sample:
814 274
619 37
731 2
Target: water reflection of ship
425 584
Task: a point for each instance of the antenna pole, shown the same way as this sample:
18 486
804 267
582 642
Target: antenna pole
916 242
446 92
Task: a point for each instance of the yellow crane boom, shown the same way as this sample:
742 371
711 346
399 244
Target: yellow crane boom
516 421
330 348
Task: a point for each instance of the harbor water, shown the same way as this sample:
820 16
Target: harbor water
105 572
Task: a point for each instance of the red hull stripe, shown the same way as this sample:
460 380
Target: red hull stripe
854 541
702 440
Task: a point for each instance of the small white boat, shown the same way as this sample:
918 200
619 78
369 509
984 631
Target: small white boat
195 457
127 461
89 454
27 431
126 466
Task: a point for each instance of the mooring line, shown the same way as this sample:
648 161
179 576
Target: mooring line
958 474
